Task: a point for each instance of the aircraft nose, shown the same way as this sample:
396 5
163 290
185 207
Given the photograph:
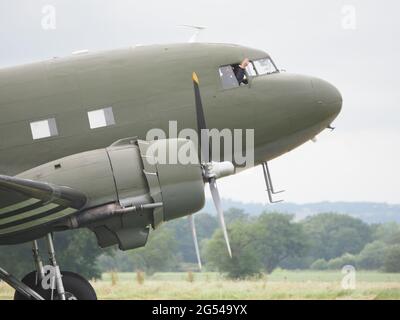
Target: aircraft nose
328 97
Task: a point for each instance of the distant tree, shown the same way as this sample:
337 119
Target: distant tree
388 232
332 235
257 244
392 259
206 224
76 251
278 237
17 259
159 254
372 256
244 262
320 264
297 263
115 260
339 262
394 239
234 214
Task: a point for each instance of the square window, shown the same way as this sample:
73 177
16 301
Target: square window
101 118
44 129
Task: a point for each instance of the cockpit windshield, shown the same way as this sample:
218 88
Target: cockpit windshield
236 75
251 70
264 66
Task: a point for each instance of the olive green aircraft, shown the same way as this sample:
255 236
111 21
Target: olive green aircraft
73 148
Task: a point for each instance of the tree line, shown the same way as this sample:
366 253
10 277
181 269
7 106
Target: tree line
260 244
265 242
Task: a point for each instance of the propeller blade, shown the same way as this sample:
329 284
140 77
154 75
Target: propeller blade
218 206
201 121
196 242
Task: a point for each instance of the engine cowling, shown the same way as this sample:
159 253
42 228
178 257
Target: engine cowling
129 188
179 186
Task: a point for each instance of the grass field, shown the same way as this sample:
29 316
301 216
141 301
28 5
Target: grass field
279 285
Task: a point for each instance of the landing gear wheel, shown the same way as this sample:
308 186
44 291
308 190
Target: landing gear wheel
76 287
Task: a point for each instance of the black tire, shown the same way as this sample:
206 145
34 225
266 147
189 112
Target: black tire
76 287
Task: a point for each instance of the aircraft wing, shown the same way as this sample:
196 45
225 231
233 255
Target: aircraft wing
27 204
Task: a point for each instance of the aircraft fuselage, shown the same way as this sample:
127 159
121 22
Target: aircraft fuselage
147 87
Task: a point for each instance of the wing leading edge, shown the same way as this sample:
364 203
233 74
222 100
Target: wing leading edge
34 204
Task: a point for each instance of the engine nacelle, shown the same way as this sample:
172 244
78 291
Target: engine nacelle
179 186
123 183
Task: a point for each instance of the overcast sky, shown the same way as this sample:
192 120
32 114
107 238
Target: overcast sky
352 44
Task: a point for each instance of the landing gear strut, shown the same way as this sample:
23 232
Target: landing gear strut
22 289
270 187
49 282
57 272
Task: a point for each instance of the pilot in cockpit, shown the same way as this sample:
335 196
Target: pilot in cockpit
240 71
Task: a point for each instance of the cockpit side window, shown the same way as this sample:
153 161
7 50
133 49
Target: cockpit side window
265 66
251 70
228 78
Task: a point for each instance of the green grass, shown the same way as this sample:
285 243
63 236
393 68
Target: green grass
277 275
166 276
279 285
362 276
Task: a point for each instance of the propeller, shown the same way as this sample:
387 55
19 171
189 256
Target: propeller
211 170
201 122
196 242
218 206
197 29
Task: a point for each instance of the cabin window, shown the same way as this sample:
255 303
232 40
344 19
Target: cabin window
228 78
44 129
101 118
265 66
